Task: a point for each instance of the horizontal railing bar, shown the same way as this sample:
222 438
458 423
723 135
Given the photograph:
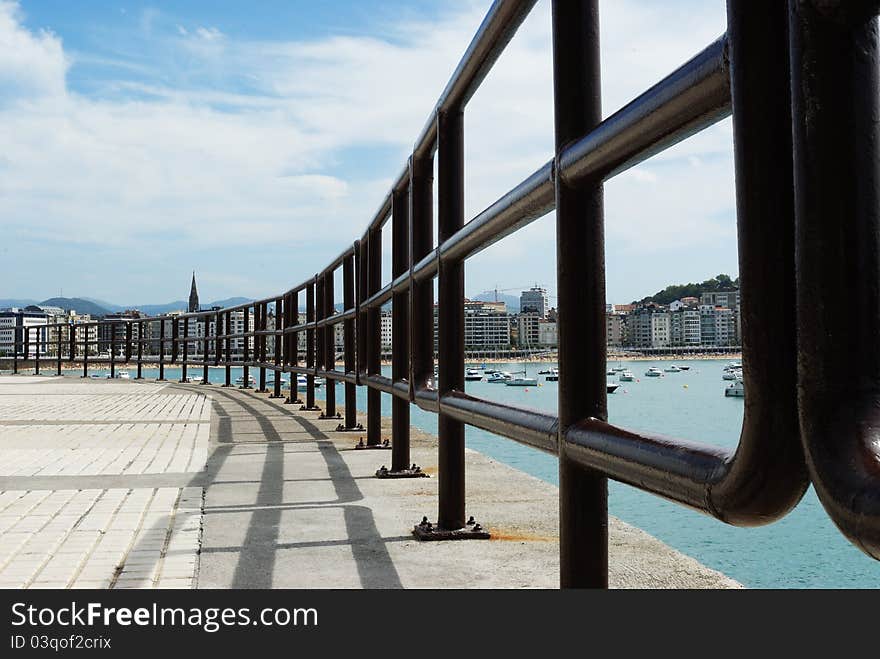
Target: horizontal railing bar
673 468
335 319
378 298
427 267
335 263
693 97
337 375
381 215
383 384
495 32
530 427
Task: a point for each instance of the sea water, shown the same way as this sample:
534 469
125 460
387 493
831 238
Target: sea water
802 550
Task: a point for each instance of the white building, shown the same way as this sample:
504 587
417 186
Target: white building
660 329
486 325
528 329
547 334
14 323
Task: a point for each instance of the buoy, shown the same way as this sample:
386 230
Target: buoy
685 386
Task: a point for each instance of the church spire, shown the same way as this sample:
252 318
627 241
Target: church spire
193 295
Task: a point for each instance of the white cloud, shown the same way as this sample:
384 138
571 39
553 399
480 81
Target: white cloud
206 162
32 65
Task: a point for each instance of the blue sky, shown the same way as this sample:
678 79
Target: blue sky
252 141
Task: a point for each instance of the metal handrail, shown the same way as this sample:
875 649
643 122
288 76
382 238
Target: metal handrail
797 429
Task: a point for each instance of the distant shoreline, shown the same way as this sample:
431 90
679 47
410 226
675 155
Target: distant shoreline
48 366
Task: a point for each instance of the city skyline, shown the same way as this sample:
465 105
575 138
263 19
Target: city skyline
181 134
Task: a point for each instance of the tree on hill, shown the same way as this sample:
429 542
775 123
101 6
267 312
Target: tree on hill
674 292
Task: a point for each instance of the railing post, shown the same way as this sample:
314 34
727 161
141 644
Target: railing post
227 345
38 333
835 66
310 347
374 356
329 347
278 344
128 342
175 344
260 343
348 303
71 349
246 349
580 267
450 353
185 357
16 343
162 349
218 332
361 295
112 350
59 348
27 341
206 324
85 351
421 295
291 353
140 350
400 418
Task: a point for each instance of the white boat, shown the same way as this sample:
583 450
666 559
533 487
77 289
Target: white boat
610 371
672 368
522 380
626 376
124 375
500 376
653 372
251 380
302 381
684 368
270 382
735 390
611 388
731 375
473 375
551 373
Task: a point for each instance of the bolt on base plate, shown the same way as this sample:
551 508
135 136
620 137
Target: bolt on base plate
361 445
470 531
410 472
358 428
295 401
330 416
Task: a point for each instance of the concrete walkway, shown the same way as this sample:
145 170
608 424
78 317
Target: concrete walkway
139 484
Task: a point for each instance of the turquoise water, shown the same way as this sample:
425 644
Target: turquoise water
803 550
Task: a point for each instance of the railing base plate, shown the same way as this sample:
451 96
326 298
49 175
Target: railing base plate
470 531
330 416
362 446
305 408
358 428
412 472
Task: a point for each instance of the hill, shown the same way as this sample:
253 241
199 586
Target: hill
77 304
14 302
677 291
